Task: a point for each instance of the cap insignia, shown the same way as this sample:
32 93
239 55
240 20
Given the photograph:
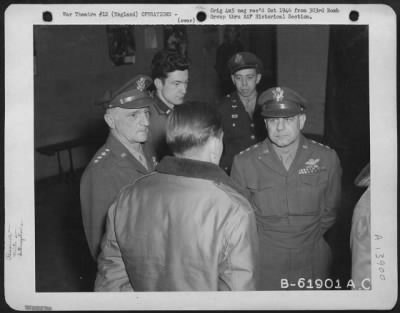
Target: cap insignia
277 94
238 58
141 84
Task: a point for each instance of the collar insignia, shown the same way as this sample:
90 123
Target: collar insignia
154 161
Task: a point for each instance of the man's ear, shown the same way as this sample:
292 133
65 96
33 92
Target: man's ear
215 149
158 83
258 78
109 118
302 119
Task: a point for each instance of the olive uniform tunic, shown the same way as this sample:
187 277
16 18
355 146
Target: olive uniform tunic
240 130
111 168
294 208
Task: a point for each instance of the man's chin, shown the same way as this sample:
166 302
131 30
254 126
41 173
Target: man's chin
142 138
281 143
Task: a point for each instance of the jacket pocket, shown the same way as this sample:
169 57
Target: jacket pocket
309 194
266 198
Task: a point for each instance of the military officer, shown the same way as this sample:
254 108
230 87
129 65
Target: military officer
170 73
121 160
238 109
295 186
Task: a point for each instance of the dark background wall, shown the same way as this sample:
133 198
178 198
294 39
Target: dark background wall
73 70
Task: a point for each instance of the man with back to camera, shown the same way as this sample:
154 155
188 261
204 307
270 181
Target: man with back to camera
294 184
170 73
240 114
186 226
121 160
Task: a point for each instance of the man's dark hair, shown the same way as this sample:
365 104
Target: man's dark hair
165 62
191 124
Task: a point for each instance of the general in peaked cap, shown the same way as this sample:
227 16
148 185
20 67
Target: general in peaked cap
281 102
133 94
243 60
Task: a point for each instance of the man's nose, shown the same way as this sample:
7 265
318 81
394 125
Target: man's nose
184 88
280 124
146 120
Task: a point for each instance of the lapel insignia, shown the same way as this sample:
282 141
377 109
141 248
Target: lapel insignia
311 167
154 161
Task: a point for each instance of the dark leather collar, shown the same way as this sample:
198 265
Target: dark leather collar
196 169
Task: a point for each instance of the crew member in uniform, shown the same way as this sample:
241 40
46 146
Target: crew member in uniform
239 111
121 160
295 186
170 74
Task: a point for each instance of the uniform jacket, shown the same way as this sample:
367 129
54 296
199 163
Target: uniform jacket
111 168
240 130
156 144
293 208
360 242
182 228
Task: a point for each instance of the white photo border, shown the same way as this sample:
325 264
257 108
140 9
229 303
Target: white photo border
19 270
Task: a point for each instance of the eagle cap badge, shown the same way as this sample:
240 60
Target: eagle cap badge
238 58
278 94
141 84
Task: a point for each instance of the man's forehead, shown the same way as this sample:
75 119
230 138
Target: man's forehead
178 75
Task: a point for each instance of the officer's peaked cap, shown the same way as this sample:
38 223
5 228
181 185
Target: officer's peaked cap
133 94
281 102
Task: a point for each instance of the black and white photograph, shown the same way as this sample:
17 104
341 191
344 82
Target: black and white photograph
223 157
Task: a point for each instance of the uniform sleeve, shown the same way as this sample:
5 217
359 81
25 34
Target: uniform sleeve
237 173
360 241
111 273
238 271
97 192
333 194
